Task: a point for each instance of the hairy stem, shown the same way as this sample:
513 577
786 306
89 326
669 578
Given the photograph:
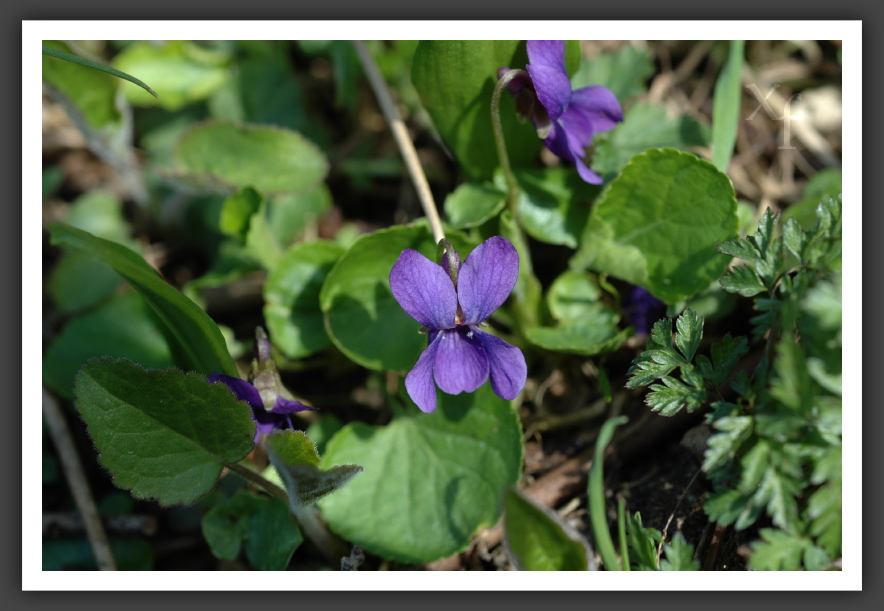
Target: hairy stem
512 186
403 141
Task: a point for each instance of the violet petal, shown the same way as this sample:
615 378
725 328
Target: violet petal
506 363
461 364
586 174
599 105
424 290
242 389
419 381
549 53
286 406
553 89
486 278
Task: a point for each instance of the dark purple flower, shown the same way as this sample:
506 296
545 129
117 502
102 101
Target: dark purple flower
566 119
269 410
645 310
450 301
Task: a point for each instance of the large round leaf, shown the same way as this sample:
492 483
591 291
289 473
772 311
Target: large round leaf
363 319
430 481
658 223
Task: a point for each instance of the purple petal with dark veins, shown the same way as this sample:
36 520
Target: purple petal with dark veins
599 105
566 148
486 278
506 363
424 290
242 389
549 53
461 364
553 89
419 381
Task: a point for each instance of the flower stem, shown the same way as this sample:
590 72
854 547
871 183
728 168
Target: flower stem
403 141
257 478
512 186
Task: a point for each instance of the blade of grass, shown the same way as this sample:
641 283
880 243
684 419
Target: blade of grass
96 66
621 531
596 491
726 107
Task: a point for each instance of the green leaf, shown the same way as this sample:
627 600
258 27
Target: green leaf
262 524
689 327
642 542
538 539
658 360
644 127
743 280
553 203
323 430
192 335
291 296
361 315
295 459
121 327
455 80
588 338
726 354
574 296
824 510
726 107
723 446
625 72
730 506
293 214
221 157
92 93
824 184
472 204
657 224
163 435
96 66
679 555
669 399
431 480
740 248
778 551
795 238
180 70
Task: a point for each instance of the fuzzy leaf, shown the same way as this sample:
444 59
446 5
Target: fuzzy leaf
295 459
163 435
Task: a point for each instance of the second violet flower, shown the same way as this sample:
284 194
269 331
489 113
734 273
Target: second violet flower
450 301
566 119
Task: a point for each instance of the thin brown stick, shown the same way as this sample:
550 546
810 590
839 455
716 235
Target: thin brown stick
403 140
76 478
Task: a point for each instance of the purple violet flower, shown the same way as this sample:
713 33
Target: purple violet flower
566 119
269 410
645 310
451 301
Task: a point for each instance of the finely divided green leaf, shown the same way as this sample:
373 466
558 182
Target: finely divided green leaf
726 353
679 555
642 543
431 480
657 224
689 327
538 539
191 333
743 280
163 435
669 399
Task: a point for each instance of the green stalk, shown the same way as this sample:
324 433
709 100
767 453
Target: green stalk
596 489
512 186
